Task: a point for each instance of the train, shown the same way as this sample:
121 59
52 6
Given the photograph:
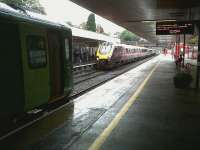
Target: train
36 61
111 55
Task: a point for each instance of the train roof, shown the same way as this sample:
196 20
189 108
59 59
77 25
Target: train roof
130 46
126 46
19 14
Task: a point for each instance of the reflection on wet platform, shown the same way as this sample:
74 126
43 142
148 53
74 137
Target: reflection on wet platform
63 127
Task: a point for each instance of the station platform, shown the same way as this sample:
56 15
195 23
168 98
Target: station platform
138 110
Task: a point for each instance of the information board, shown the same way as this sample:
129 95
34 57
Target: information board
174 27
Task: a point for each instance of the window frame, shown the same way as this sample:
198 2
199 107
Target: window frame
67 55
28 46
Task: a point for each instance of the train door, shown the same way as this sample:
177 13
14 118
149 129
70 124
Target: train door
68 65
56 64
35 65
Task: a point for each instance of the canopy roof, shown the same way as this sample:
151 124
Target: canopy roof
139 16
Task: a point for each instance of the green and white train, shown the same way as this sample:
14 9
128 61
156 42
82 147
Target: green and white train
36 61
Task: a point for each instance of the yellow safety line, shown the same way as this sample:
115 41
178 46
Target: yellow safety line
107 131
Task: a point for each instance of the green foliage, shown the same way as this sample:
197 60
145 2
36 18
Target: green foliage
33 4
91 25
128 36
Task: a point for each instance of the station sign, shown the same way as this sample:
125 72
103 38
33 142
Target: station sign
174 27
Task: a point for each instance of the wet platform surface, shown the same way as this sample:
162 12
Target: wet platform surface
162 117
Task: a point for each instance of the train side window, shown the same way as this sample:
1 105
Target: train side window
37 55
67 49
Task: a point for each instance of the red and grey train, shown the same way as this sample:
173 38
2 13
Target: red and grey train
111 55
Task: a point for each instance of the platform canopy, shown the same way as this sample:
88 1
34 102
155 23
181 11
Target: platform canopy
93 35
140 16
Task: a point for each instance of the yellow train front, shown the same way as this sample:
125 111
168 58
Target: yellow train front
104 55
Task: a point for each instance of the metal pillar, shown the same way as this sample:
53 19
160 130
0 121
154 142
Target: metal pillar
183 49
176 51
179 46
198 59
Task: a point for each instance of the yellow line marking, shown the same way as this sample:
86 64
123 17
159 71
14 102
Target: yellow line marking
107 131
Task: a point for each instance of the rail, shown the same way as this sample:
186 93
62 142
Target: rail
82 67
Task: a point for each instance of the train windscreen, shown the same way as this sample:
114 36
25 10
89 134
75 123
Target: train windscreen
105 49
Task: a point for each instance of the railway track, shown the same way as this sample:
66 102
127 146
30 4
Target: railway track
82 68
88 76
85 80
100 77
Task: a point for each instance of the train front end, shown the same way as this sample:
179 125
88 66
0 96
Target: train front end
104 55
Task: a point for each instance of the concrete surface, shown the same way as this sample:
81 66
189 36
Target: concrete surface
161 118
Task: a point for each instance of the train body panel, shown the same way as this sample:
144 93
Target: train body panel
56 64
36 63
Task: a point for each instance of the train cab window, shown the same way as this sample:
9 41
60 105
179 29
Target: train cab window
67 49
36 51
105 49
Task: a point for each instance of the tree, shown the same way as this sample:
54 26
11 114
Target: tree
91 25
128 36
83 25
100 29
70 23
27 4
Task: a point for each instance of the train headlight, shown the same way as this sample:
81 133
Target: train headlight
97 58
109 58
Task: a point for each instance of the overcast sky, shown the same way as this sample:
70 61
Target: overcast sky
65 10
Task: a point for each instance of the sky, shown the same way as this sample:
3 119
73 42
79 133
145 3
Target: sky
65 10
